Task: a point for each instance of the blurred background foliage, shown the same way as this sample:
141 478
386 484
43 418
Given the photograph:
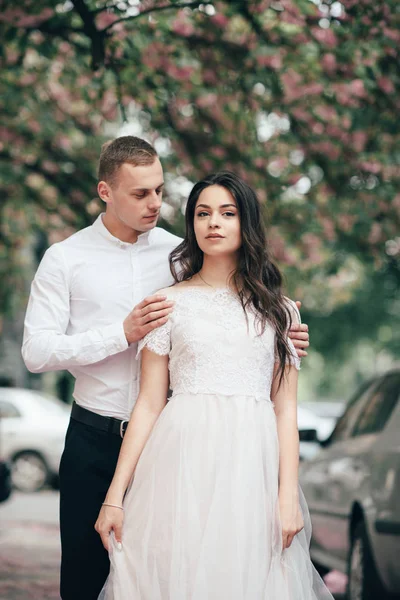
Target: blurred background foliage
300 97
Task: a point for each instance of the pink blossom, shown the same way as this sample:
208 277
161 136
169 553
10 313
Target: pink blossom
104 19
336 582
392 34
34 20
386 85
34 126
329 228
371 166
325 36
27 79
318 128
300 113
11 56
326 148
206 100
210 76
359 140
273 62
50 166
64 142
357 88
329 62
182 27
375 235
218 151
346 222
220 20
396 202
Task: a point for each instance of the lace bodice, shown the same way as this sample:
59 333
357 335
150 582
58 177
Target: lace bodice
213 348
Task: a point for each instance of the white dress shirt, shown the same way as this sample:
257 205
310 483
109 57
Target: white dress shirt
83 290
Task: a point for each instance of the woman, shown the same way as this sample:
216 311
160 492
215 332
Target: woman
214 510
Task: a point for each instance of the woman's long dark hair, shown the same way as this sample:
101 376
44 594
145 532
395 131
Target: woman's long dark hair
257 279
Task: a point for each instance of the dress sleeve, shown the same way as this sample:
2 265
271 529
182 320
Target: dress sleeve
293 358
158 340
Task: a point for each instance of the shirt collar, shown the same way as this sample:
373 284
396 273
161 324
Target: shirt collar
98 225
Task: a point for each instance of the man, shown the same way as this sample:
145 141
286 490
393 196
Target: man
79 318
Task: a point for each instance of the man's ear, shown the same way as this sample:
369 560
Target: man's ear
104 191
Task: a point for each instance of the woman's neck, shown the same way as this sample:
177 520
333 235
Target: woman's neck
217 272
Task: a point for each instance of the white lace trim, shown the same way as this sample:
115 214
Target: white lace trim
215 349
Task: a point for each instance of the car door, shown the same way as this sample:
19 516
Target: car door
382 511
10 419
330 479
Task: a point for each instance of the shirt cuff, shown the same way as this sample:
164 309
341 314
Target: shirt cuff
115 338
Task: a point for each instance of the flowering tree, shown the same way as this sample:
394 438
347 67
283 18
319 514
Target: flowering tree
300 97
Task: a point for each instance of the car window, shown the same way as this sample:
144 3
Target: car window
8 410
379 407
346 422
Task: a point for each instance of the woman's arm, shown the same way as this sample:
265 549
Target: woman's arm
284 397
151 401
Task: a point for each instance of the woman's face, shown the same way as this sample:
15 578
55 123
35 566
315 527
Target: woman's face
216 222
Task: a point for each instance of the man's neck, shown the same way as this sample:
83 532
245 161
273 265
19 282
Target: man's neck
119 230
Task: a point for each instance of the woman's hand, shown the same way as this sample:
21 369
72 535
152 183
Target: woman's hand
109 519
291 519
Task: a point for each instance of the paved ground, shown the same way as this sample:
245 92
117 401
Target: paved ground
30 548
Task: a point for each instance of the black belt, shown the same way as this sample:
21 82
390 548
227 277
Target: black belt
108 424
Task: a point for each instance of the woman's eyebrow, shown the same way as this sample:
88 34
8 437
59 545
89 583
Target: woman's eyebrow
222 206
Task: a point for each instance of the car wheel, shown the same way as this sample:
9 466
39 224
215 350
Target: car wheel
363 580
29 472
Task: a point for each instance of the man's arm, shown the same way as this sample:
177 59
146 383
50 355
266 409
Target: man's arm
47 347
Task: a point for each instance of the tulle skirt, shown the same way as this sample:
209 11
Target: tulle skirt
202 516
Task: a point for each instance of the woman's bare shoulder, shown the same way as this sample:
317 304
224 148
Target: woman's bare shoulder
174 289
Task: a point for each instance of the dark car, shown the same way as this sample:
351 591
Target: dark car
353 491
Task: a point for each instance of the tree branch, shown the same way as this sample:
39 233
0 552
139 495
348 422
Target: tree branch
152 10
89 27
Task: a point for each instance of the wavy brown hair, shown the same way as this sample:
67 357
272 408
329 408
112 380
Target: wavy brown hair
257 279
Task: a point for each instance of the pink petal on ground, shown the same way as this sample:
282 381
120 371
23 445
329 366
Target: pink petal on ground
336 582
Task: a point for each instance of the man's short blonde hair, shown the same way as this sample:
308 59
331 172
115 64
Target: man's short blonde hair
125 149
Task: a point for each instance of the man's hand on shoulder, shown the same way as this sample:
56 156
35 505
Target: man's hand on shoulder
151 313
298 333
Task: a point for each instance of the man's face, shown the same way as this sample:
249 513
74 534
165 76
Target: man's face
135 197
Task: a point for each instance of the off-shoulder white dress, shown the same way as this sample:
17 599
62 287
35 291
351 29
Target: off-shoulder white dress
201 514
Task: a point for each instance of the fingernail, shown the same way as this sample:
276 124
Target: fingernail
119 546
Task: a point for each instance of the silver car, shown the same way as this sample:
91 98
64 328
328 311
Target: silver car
32 432
353 491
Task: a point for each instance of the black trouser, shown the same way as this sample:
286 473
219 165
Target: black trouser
87 467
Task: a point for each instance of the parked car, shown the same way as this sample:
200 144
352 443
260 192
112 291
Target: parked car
32 430
326 409
308 422
353 489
